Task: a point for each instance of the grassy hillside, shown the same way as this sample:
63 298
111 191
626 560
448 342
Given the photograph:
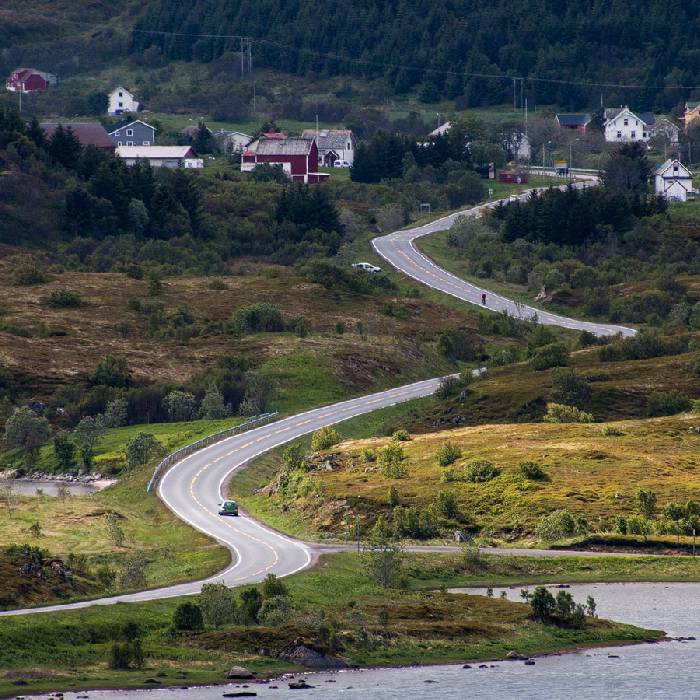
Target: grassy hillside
587 472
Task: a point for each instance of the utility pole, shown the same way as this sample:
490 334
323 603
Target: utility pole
522 102
514 96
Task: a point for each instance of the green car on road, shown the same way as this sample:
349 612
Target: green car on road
228 508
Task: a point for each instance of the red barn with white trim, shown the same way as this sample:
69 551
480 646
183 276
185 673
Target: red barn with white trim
30 80
297 157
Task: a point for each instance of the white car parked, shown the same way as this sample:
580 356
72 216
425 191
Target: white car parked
367 267
341 164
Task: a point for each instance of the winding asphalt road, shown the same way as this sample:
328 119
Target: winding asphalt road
193 487
399 250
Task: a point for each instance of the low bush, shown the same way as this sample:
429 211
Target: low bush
257 318
324 438
532 471
27 275
391 461
643 346
548 356
64 299
560 413
559 525
667 403
611 431
448 453
480 471
401 435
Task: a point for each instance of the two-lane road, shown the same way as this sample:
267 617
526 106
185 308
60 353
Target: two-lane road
399 250
193 487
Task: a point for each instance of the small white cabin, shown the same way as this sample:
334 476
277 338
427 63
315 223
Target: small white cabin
674 182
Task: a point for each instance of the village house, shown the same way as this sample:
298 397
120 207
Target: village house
622 125
30 80
121 101
692 111
573 122
231 141
88 133
674 182
333 145
666 129
441 130
298 157
133 132
161 156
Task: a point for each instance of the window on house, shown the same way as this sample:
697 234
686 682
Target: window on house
129 143
119 143
626 122
634 134
121 104
146 143
129 132
121 94
619 134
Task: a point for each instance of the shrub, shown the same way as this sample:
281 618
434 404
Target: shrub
533 471
112 371
217 285
27 275
480 471
401 435
391 460
667 403
547 356
542 604
570 388
140 449
188 617
63 299
559 413
368 455
180 405
642 346
273 586
646 501
448 453
218 604
257 318
556 526
324 438
611 431
447 505
393 497
449 386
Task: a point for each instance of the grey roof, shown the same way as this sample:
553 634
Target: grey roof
288 147
328 139
647 117
573 119
128 122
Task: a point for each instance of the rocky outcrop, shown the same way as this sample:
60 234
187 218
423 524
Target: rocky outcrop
307 657
239 673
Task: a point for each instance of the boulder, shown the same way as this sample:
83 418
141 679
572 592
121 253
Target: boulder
310 658
529 662
515 656
239 673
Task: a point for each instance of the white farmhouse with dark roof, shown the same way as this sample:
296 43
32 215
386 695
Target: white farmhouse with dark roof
674 182
622 125
333 145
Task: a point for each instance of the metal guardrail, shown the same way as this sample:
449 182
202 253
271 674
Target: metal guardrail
205 442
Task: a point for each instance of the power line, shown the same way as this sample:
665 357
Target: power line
422 69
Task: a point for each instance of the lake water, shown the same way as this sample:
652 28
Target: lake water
665 670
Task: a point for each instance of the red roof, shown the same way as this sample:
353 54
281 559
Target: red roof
88 133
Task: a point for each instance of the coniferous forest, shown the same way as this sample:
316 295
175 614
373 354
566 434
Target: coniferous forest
448 48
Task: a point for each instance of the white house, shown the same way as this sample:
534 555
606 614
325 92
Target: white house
621 125
666 129
674 181
333 144
121 101
231 141
441 130
161 156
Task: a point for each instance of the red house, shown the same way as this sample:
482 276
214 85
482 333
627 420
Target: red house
30 80
297 157
88 133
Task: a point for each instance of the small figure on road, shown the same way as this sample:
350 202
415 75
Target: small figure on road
483 299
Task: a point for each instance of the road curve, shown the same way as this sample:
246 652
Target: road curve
399 250
193 487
